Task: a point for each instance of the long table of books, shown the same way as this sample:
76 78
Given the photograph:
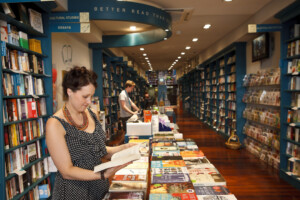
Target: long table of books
169 169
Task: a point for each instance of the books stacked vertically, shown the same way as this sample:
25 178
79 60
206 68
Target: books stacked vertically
131 181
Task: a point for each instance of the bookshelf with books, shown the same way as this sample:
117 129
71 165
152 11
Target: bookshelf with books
218 87
290 94
26 99
262 114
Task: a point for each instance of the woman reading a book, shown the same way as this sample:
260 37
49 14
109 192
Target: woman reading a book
76 141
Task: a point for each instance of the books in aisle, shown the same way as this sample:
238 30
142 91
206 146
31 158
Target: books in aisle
125 195
207 176
183 190
214 193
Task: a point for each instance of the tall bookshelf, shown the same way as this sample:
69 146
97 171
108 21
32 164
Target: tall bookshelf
216 89
7 176
290 93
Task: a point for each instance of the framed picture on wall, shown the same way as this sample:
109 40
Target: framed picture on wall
260 47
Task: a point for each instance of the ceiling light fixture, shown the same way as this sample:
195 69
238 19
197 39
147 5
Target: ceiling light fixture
206 26
132 28
146 58
165 38
182 53
166 30
144 54
142 49
179 57
187 47
227 0
195 39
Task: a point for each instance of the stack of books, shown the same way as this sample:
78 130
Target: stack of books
179 170
131 181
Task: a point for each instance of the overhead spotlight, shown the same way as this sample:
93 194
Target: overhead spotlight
176 60
165 38
206 26
142 49
144 54
146 58
195 39
166 30
187 47
227 0
182 53
179 57
132 28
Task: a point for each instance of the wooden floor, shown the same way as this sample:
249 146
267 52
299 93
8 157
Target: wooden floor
246 176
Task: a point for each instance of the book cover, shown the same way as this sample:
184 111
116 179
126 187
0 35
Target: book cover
167 163
166 153
129 177
169 178
125 171
178 196
127 186
216 197
169 170
206 177
124 195
36 21
196 161
192 153
211 190
165 148
163 143
170 188
156 158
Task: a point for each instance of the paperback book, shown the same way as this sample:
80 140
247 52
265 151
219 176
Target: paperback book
156 158
128 186
124 195
171 188
169 178
177 196
167 163
169 170
130 177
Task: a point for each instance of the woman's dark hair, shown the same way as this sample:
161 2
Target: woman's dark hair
78 77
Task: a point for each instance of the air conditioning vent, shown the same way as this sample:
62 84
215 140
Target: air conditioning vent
180 15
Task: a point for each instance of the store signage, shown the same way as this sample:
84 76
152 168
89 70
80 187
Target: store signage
259 28
70 27
66 17
126 11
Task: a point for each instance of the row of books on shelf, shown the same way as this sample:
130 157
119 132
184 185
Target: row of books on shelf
293 48
294 83
178 170
293 116
265 116
262 96
17 134
25 108
293 133
18 158
24 14
22 61
262 78
293 66
18 84
18 184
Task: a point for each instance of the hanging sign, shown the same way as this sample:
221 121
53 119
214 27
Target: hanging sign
259 28
66 17
70 27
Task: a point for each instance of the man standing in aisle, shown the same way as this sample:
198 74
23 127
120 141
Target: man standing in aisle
126 104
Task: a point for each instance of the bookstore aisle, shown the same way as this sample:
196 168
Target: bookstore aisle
247 177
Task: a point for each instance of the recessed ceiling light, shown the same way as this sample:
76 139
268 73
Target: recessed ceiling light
132 28
227 0
165 38
179 57
144 54
166 30
195 39
176 60
142 49
146 58
206 26
182 53
187 47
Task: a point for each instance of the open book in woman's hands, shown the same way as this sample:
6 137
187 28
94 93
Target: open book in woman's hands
121 157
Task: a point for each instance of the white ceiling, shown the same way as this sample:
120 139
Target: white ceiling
223 16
